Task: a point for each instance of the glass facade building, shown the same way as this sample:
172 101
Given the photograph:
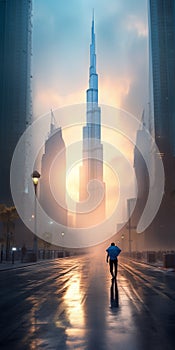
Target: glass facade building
162 70
92 160
162 45
15 76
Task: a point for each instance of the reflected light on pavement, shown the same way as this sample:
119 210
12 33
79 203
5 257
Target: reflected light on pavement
74 298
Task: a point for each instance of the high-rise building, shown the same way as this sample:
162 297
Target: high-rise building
92 198
53 175
162 68
142 157
15 75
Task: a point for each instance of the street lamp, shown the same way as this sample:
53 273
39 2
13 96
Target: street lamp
35 178
62 234
122 237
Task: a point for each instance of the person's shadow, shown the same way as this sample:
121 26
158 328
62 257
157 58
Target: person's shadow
114 293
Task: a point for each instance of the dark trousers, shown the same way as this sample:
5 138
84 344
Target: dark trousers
113 265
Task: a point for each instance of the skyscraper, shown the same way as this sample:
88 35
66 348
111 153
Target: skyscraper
142 152
15 101
53 175
162 62
162 67
92 167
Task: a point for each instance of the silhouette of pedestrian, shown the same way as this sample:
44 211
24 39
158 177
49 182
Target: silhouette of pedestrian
2 253
23 252
112 253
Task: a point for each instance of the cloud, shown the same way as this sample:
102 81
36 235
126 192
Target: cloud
47 98
133 23
111 92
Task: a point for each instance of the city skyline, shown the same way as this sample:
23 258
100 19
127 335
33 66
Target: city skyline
60 41
67 73
60 62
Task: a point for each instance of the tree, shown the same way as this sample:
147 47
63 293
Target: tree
8 215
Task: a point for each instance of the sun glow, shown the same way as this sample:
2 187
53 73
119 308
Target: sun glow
111 182
72 182
113 93
46 98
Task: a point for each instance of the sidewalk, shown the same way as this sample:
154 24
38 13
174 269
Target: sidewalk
7 265
158 264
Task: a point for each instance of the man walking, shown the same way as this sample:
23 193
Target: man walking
112 253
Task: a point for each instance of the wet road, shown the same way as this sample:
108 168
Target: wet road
72 303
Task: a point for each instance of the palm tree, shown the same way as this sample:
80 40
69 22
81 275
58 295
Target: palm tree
8 215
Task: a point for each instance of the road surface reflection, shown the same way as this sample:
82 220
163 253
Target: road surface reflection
72 303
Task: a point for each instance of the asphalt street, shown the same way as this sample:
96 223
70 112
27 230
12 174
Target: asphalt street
72 303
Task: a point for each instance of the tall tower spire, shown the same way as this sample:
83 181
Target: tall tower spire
92 164
53 125
92 130
92 147
92 92
92 49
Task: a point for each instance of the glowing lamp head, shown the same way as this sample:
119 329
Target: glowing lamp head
35 177
35 180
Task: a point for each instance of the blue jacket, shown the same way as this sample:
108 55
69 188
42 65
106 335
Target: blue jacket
113 251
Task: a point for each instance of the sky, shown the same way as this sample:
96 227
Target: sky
60 64
61 38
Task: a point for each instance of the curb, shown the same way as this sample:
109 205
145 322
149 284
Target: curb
14 267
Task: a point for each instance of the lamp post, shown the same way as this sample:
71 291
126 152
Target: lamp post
35 178
122 237
129 232
62 234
